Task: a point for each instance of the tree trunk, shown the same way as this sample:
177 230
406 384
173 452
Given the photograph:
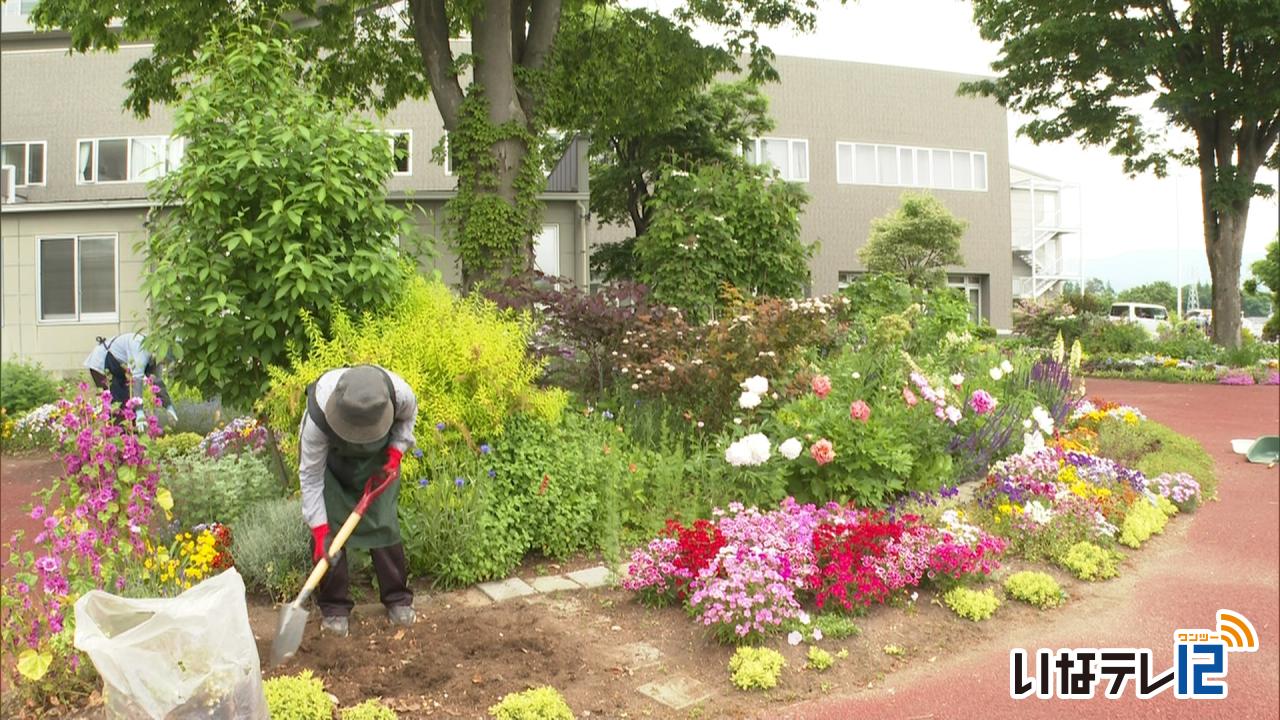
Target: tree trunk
1224 253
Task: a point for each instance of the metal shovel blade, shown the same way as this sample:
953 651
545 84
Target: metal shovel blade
293 622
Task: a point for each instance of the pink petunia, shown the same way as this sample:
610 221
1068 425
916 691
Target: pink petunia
909 397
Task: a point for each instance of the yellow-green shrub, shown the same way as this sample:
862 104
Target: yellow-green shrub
1142 521
972 605
819 659
1090 562
368 710
465 360
167 446
756 668
544 703
297 697
1035 588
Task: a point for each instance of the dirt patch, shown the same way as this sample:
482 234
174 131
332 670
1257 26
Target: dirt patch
20 477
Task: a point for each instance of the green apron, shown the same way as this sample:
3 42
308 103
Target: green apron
347 467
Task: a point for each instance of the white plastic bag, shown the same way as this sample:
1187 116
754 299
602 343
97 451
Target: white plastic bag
192 656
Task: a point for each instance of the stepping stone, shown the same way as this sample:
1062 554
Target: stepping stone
506 589
589 578
678 692
553 583
472 597
636 655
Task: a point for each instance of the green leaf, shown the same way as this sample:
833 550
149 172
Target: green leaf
33 665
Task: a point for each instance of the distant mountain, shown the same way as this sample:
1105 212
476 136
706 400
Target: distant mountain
1143 266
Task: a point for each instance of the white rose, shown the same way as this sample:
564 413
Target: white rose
791 448
748 400
996 373
756 385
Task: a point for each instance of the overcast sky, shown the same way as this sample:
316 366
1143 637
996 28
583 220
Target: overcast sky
1131 226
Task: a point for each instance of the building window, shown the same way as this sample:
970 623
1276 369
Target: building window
971 286
27 159
77 279
401 142
120 160
846 278
546 251
789 156
898 166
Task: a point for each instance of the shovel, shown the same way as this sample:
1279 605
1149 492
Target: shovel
293 617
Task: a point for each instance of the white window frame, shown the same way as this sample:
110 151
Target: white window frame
26 151
792 143
391 140
845 278
965 283
448 159
80 318
130 178
915 154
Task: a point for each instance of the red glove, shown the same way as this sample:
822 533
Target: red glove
319 534
393 462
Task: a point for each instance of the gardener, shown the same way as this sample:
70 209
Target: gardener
359 421
111 358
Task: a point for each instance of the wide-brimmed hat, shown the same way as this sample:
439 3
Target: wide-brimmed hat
359 410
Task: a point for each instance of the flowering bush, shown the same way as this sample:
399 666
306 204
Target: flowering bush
663 571
243 434
95 528
189 559
1236 377
1179 488
39 428
1090 413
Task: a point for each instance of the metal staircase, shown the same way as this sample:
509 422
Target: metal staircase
1039 243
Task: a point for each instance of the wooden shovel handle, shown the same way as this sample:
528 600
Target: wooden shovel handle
335 547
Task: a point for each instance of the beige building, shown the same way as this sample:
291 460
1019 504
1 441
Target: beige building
76 168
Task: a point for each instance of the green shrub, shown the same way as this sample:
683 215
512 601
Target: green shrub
756 668
972 605
1035 588
819 659
368 710
1185 340
297 697
1155 449
1103 336
544 703
172 445
1143 520
1090 562
25 386
943 312
465 360
834 626
207 490
271 547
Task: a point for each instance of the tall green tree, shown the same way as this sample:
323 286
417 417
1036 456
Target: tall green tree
915 242
1085 68
1160 292
379 53
1266 273
729 223
278 206
643 89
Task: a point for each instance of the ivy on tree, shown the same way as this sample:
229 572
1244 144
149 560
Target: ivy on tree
1084 68
916 242
380 53
278 206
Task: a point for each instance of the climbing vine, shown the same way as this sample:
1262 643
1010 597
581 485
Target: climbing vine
491 236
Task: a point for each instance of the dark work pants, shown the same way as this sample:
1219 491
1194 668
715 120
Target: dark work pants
119 380
334 596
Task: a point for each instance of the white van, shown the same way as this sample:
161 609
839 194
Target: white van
1150 317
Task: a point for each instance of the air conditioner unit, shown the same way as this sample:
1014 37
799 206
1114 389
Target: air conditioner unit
8 183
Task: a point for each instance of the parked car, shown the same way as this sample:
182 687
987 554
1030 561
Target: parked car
1200 318
1149 317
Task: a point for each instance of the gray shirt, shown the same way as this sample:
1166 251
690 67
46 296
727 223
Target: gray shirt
126 348
313 447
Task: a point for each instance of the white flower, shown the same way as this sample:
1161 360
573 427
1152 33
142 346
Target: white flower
1032 443
857 375
953 414
737 421
755 385
803 617
791 449
758 446
996 373
700 423
1026 424
1006 366
634 386
817 634
957 380
915 596
748 400
737 455
794 637
1038 513
1043 419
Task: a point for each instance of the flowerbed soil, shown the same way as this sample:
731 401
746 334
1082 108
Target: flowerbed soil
20 476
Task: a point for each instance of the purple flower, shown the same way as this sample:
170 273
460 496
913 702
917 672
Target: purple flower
422 482
982 402
37 512
47 564
440 426
485 449
417 452
459 482
22 588
492 472
606 415
50 523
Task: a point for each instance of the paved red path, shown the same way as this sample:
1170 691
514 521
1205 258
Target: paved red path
1227 555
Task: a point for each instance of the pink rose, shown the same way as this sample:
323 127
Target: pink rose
823 452
909 396
859 410
981 402
821 385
